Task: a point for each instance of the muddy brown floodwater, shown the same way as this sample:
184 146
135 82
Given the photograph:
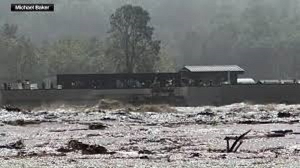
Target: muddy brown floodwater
188 137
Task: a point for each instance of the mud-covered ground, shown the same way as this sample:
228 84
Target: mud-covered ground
187 137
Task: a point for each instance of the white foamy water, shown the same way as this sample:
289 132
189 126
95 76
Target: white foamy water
190 137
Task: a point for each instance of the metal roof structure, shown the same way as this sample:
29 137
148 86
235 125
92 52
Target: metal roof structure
214 68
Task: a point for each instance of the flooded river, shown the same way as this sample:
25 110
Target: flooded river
187 137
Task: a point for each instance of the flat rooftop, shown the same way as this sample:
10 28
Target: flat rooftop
213 68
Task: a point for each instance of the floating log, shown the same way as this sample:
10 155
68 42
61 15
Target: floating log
282 131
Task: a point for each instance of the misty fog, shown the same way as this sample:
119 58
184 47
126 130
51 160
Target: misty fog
261 36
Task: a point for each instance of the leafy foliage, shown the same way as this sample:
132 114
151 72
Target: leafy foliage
131 45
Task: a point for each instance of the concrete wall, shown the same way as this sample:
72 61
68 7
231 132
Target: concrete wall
203 96
1 97
261 94
84 96
228 94
193 96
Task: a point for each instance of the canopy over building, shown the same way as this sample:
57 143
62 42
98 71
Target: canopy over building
214 68
211 75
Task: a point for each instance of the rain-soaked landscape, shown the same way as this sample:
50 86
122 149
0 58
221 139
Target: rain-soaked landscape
194 51
79 136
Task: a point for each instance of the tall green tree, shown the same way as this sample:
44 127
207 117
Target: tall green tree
131 43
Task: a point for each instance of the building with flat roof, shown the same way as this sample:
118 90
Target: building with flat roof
210 75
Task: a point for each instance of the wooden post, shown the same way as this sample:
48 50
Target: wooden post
229 77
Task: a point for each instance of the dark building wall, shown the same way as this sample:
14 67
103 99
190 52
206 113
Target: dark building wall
109 81
233 78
